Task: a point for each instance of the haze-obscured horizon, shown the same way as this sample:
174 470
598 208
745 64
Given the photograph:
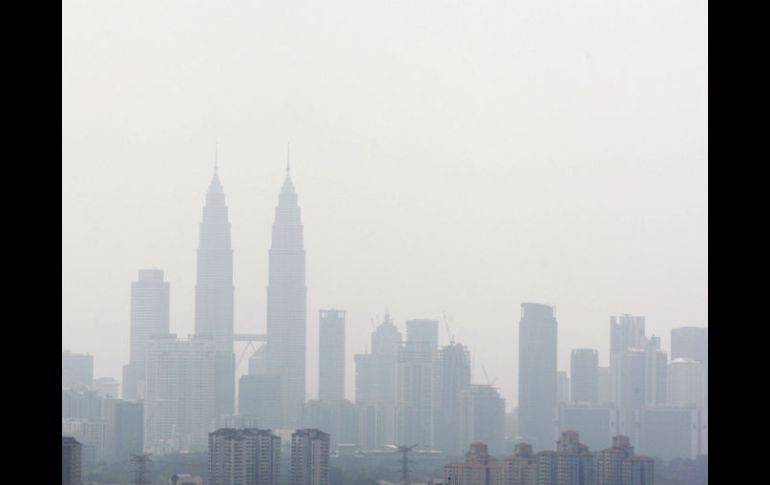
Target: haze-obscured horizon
449 157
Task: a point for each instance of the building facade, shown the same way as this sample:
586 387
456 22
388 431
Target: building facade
331 355
309 457
244 457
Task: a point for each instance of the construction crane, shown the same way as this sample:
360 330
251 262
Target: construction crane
448 330
490 383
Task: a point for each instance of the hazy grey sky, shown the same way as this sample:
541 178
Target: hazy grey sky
457 156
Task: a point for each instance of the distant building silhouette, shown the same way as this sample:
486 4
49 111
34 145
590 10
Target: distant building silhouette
77 370
584 374
287 303
690 343
149 317
454 378
537 375
482 417
259 396
125 429
423 330
415 394
243 457
331 355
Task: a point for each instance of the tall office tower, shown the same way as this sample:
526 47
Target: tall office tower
656 372
214 291
609 462
376 377
686 383
71 467
386 339
519 469
454 377
570 464
286 303
562 387
423 330
259 396
338 418
309 457
77 370
180 403
106 387
244 457
595 424
478 468
482 417
639 470
537 374
670 432
626 332
584 372
81 404
633 382
149 317
331 355
415 394
124 434
691 343
605 386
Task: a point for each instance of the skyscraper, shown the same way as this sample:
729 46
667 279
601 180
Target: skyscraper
415 394
309 457
286 303
331 356
77 370
626 332
180 404
244 457
376 379
609 462
214 291
125 429
482 417
537 374
686 383
149 317
454 377
423 330
691 343
584 374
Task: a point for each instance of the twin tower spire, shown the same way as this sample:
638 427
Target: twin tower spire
286 295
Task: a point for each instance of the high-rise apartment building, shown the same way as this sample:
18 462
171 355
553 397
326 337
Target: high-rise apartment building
244 457
180 402
149 317
537 374
618 465
71 468
519 469
479 468
309 457
287 303
570 464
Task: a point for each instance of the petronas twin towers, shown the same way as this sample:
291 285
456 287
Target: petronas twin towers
286 298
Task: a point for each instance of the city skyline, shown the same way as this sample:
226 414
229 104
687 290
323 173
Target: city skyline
445 325
456 159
